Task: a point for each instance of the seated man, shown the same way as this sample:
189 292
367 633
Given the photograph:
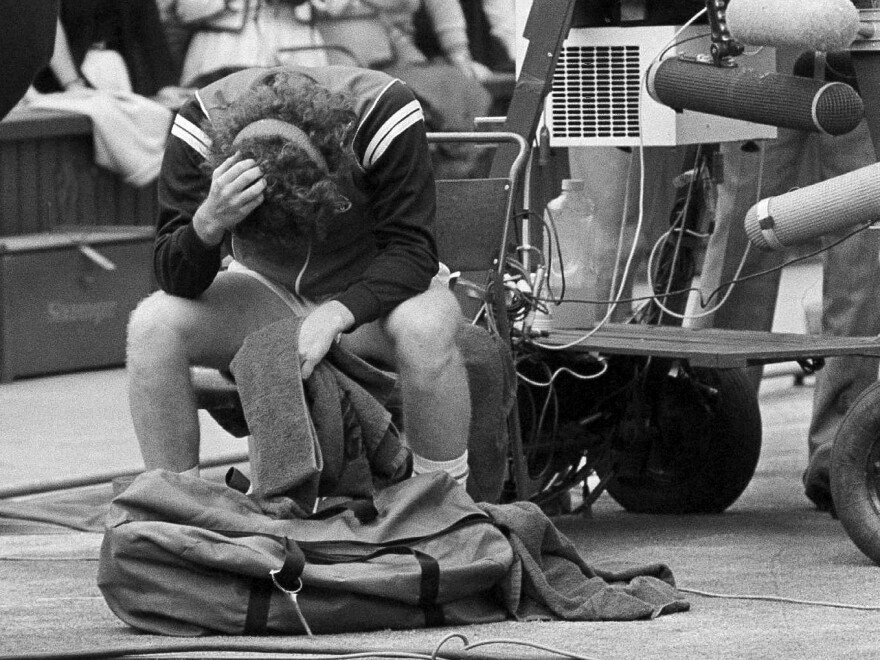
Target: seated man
319 183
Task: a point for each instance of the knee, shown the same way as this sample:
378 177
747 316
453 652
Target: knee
424 337
152 330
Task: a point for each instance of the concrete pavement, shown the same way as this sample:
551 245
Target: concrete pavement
769 578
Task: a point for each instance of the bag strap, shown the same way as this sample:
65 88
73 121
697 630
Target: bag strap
363 509
429 589
287 578
429 568
257 618
260 597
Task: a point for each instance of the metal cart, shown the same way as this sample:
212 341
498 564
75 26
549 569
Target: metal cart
672 424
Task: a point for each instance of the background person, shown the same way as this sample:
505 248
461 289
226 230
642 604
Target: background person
27 39
851 271
92 29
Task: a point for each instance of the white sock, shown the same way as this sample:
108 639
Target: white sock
457 468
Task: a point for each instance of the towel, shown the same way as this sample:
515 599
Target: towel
549 579
324 436
345 397
491 376
129 131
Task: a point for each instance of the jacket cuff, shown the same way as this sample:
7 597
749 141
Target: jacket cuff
362 303
195 247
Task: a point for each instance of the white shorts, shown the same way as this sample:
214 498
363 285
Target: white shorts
299 305
302 306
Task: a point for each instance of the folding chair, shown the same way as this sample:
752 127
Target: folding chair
472 233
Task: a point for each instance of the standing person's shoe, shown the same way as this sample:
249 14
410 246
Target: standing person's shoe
817 480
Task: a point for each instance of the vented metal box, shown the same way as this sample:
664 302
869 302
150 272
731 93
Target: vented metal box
598 96
65 297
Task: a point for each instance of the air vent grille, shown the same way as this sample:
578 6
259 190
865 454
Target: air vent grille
595 92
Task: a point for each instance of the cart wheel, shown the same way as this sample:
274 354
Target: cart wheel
705 435
855 472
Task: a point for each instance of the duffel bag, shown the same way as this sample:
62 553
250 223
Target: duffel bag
186 556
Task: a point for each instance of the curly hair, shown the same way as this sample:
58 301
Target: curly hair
300 195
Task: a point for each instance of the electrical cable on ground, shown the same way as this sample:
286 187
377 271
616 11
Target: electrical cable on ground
302 653
780 599
22 490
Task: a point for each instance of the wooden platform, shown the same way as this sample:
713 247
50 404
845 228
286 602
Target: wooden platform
712 347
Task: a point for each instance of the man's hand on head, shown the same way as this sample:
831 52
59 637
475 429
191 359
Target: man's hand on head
237 187
318 332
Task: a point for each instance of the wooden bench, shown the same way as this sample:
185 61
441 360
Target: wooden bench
48 177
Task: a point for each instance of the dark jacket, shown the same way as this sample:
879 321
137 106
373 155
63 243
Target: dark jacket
376 255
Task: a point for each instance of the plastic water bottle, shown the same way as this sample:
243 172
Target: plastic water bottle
572 214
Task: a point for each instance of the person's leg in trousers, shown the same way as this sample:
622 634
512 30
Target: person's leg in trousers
850 307
751 304
613 179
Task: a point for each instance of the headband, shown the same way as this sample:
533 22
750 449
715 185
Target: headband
278 128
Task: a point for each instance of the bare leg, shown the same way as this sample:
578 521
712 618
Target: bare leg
418 338
166 335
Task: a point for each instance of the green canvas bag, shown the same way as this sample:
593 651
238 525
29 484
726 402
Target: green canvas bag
185 556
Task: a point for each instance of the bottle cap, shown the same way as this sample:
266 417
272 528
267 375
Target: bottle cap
572 184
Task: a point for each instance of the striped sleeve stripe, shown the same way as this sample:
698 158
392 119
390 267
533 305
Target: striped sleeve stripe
408 115
191 134
372 107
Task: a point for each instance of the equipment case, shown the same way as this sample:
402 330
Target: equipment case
65 297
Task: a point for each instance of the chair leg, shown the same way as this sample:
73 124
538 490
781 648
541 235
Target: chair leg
521 478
